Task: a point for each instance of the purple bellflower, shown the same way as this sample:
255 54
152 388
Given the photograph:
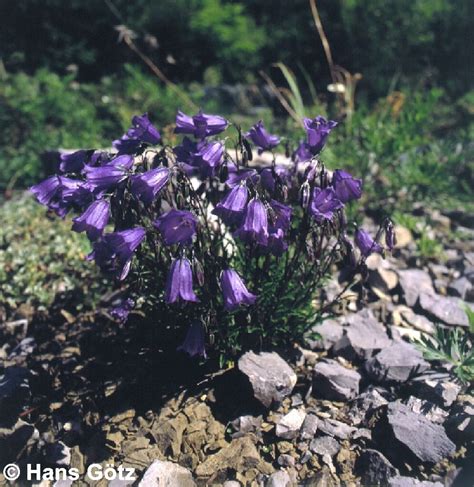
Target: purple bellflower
121 309
46 190
234 291
366 244
236 176
194 343
317 131
148 184
302 153
345 186
279 224
267 176
93 220
208 157
104 177
232 207
255 225
177 226
261 138
141 131
179 285
324 204
200 125
115 250
75 161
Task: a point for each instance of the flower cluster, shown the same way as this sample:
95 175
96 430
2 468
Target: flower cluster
210 222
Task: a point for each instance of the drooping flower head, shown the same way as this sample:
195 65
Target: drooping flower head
317 131
280 216
208 157
234 291
345 186
232 207
261 138
302 153
74 161
114 252
255 225
105 177
93 220
194 343
147 185
239 175
179 285
366 244
141 131
200 125
46 190
269 177
390 236
324 204
177 226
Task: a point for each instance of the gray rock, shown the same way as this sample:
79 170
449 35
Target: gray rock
460 287
364 404
309 427
289 425
400 481
271 378
325 445
412 283
57 454
285 460
322 479
440 390
364 337
231 483
419 322
374 468
335 382
246 424
166 474
407 437
396 363
15 439
330 331
449 310
460 424
279 479
332 427
431 411
23 349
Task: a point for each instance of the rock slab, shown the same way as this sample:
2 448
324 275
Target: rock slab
166 474
334 382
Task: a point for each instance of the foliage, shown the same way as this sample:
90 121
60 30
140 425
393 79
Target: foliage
246 261
453 345
40 258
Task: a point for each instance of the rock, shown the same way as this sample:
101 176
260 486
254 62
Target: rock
449 310
271 378
413 282
231 483
289 425
279 479
286 460
428 409
381 276
403 236
460 424
460 287
309 427
400 481
330 331
374 468
419 322
396 363
439 390
336 428
407 437
334 382
364 404
323 478
57 454
166 474
14 392
23 349
240 455
364 337
325 445
15 439
246 424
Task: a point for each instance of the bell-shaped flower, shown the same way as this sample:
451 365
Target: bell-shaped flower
280 216
148 184
208 157
200 125
105 177
74 161
324 204
302 153
179 285
177 226
114 252
93 220
366 244
317 131
194 343
277 244
270 176
345 186
232 207
255 225
141 131
237 176
261 138
46 190
234 291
